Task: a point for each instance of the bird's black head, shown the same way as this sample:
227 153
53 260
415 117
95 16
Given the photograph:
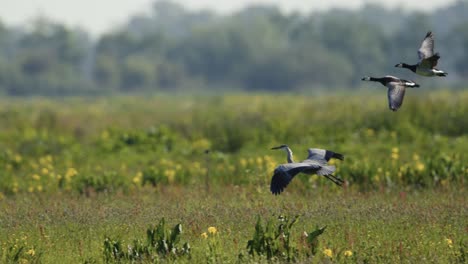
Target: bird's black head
280 147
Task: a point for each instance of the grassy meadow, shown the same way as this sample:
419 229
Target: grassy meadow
109 180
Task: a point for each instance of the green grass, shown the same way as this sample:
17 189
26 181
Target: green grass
376 227
77 171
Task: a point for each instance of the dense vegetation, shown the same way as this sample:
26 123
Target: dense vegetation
115 144
256 48
82 179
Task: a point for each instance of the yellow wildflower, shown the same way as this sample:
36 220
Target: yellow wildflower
259 161
170 174
45 171
31 252
348 253
370 132
2 196
18 158
449 242
415 157
201 144
138 177
376 178
31 189
328 252
420 166
395 150
70 173
212 230
36 177
204 235
395 155
243 162
39 188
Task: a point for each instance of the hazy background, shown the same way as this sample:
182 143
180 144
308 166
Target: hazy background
53 47
100 16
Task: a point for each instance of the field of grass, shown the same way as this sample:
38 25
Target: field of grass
89 180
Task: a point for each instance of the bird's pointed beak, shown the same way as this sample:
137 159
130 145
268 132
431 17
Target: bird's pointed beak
278 147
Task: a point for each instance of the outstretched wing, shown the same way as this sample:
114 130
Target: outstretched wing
318 154
427 47
430 62
284 173
396 93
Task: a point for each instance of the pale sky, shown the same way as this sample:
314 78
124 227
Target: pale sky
97 16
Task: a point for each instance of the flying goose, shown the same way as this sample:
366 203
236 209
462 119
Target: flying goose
396 89
427 59
316 163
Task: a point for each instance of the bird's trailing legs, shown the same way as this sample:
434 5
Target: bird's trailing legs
334 179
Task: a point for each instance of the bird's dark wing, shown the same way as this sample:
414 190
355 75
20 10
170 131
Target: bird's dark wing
427 47
430 62
284 173
396 93
317 154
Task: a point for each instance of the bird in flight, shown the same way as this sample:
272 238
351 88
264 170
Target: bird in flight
396 89
316 163
427 59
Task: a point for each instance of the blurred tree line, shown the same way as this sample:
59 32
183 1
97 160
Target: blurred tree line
257 48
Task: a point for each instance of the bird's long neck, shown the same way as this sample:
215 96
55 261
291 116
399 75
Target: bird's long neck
290 155
380 80
373 79
411 67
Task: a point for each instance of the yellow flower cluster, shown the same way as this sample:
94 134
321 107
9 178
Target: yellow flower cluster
170 175
201 144
395 153
211 232
138 178
449 242
70 173
328 252
31 252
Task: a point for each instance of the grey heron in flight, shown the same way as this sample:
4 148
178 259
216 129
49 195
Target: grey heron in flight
316 163
427 59
396 89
